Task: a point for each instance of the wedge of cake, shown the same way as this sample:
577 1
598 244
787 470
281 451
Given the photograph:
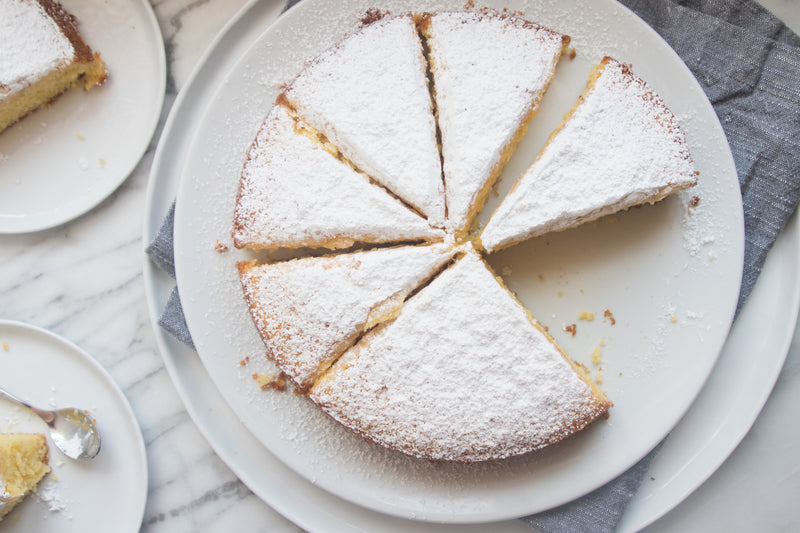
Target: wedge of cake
490 70
23 463
41 56
462 374
296 192
369 96
618 147
310 310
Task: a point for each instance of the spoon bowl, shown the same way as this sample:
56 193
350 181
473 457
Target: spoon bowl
72 430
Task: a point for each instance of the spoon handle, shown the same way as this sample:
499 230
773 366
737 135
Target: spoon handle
47 416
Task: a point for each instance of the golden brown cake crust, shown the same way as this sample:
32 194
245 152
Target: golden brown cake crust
68 25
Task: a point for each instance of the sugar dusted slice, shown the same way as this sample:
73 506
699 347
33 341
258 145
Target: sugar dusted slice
295 192
618 147
41 56
369 95
463 374
310 310
490 70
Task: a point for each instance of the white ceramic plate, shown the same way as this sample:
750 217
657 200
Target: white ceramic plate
50 372
670 276
61 161
714 425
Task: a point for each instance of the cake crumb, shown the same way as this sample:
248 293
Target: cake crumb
673 319
220 248
571 328
371 15
560 293
608 315
598 378
597 356
540 277
573 53
80 137
694 201
271 381
586 316
5 346
244 361
101 162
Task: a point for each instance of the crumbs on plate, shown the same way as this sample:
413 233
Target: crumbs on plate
271 381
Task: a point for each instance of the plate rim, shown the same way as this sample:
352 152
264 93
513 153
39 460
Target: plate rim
130 416
20 225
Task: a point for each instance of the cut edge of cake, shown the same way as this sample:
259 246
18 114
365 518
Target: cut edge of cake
411 169
24 459
580 370
594 403
304 347
491 238
85 68
466 222
393 221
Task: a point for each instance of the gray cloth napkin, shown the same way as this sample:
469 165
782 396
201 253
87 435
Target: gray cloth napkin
748 63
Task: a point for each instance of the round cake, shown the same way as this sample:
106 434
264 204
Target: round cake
380 153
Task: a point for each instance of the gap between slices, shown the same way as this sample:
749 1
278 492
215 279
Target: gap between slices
462 374
310 310
296 192
392 138
573 181
493 69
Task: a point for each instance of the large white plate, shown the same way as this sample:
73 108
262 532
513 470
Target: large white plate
61 161
50 372
719 418
669 274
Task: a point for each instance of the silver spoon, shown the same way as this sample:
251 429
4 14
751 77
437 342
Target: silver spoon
73 431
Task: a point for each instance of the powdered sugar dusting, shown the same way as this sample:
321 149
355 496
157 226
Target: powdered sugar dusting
489 73
573 180
48 493
369 96
462 374
33 45
310 310
295 193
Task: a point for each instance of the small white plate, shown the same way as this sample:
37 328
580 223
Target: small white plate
107 493
61 161
670 276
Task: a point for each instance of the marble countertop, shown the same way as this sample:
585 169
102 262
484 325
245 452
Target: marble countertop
45 281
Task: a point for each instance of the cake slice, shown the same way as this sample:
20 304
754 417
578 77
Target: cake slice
463 374
23 463
295 192
618 147
369 96
490 70
41 56
310 310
